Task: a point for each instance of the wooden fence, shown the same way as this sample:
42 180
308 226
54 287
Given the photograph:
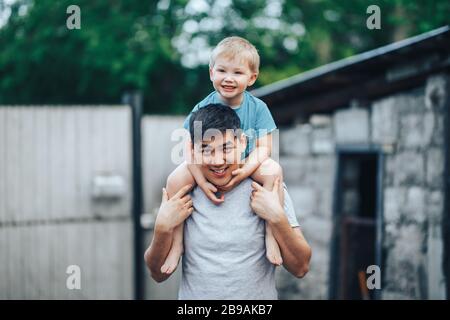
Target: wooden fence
157 163
49 219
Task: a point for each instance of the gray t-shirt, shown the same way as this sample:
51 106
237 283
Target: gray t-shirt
224 249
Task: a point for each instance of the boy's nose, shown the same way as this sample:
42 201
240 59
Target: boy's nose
228 78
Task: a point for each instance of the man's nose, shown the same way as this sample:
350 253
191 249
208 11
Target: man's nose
218 158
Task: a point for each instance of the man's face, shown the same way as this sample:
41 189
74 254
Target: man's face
230 78
219 156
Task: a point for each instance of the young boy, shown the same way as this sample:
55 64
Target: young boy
234 66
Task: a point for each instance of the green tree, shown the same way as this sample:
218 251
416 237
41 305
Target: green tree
162 48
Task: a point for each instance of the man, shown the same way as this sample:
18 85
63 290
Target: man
224 247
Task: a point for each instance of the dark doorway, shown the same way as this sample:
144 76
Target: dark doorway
357 223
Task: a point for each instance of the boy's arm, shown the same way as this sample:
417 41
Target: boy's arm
208 188
261 153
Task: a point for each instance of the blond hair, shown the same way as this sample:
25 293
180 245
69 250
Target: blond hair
233 47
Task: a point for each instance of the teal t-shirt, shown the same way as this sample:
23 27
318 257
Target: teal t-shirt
256 119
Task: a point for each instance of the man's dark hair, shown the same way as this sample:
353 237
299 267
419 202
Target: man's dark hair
214 116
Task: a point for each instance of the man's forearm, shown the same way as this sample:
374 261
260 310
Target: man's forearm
295 251
156 254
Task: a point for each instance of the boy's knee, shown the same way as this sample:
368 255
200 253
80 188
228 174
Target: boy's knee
271 167
178 178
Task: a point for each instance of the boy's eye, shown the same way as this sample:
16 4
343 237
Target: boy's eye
238 72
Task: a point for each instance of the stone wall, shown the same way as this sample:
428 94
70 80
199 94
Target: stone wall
413 189
409 126
308 161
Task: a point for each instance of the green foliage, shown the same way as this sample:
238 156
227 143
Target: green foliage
132 44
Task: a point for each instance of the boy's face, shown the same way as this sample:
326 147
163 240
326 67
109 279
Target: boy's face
230 78
220 156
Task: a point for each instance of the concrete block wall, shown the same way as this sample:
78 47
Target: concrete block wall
307 155
412 123
409 126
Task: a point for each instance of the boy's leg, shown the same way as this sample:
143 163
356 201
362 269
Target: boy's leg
180 177
266 175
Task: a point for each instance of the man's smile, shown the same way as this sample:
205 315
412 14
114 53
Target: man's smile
219 172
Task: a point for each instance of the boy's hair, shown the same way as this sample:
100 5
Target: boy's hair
232 47
214 116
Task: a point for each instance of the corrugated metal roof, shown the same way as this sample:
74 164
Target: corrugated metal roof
347 62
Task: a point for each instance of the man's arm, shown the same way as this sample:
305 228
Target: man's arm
295 251
172 213
156 254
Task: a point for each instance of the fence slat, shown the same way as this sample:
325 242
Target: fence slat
48 158
3 151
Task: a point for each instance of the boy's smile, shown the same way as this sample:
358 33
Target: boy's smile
230 78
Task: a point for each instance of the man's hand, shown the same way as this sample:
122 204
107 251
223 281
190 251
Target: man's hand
239 175
175 210
209 189
265 203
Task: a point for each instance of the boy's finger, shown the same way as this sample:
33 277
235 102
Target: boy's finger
212 188
214 199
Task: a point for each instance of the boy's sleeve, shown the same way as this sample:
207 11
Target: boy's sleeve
264 121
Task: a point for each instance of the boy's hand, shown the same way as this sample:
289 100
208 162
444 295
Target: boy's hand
209 189
239 175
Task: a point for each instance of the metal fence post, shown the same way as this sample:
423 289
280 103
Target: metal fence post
134 100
